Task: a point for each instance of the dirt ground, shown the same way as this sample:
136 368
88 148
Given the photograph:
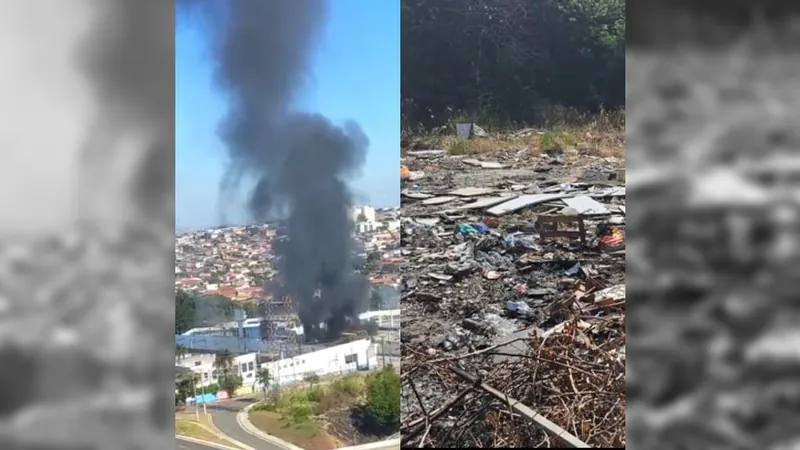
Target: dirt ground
312 437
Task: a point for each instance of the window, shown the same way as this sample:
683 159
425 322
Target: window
205 376
213 374
249 375
197 363
250 366
351 359
244 367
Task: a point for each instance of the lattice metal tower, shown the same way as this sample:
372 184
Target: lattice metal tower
276 313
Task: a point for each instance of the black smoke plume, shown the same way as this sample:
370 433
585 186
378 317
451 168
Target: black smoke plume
300 161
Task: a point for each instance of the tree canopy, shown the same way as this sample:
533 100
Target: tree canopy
509 60
196 311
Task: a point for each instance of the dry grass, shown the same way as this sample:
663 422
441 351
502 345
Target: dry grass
187 425
600 135
307 435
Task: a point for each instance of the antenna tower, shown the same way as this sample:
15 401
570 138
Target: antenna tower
278 313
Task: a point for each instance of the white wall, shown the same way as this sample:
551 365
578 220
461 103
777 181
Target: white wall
339 359
384 318
203 364
343 358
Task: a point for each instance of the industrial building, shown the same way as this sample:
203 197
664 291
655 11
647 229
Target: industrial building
339 359
226 336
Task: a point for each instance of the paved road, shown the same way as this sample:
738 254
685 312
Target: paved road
186 445
224 416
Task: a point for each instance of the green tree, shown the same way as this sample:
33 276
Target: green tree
229 380
180 352
264 378
372 261
509 61
230 383
383 397
185 382
224 362
311 378
184 312
251 309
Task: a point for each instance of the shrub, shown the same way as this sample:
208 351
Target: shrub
331 400
299 412
383 398
352 385
315 394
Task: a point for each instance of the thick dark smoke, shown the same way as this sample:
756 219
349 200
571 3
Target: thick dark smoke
300 161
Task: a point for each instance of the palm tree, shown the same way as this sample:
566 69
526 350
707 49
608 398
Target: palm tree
224 362
180 352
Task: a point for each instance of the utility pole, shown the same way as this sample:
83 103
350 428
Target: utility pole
383 349
203 390
196 406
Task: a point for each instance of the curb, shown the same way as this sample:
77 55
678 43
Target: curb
206 443
243 419
394 443
222 435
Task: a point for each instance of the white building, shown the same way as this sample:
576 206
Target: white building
349 357
365 227
340 359
367 212
389 318
203 364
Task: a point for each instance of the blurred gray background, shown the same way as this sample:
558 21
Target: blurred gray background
87 228
713 174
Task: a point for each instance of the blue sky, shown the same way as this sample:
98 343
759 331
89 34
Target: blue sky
356 76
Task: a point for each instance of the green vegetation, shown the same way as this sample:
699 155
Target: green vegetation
504 64
203 310
312 379
229 380
383 397
264 378
299 408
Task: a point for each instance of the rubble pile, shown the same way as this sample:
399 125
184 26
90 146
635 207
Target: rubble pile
513 321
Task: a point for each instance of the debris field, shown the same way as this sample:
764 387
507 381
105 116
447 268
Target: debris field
513 304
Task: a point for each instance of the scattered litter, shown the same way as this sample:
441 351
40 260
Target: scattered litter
469 130
487 202
610 296
485 164
438 200
586 206
424 154
517 265
471 192
523 201
415 195
440 276
521 240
